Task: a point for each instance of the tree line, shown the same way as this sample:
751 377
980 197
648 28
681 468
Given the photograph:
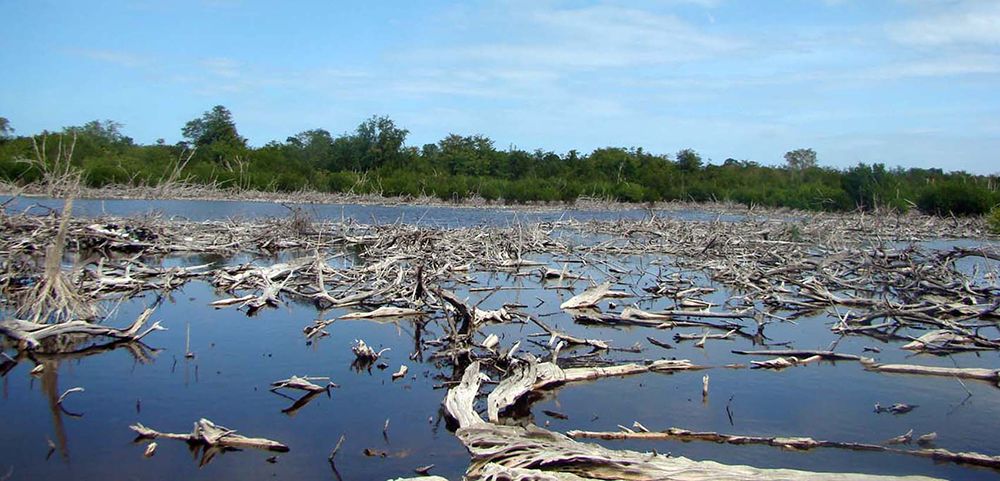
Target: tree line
374 158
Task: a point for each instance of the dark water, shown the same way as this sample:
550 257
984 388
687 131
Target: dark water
237 357
199 210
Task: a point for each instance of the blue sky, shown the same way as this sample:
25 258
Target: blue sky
904 82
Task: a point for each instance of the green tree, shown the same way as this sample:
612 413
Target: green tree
800 159
688 160
468 155
994 220
314 147
872 186
381 143
6 131
615 163
106 132
215 126
958 196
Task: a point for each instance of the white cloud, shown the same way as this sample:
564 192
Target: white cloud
602 36
700 3
967 64
222 67
976 23
122 59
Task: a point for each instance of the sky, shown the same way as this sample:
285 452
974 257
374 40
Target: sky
912 83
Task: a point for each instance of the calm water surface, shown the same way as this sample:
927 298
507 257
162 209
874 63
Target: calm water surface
199 210
237 357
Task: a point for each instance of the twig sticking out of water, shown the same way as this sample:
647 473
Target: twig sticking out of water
333 454
187 343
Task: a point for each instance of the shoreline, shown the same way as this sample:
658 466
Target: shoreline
295 200
200 193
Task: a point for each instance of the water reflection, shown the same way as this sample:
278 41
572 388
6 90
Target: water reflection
237 358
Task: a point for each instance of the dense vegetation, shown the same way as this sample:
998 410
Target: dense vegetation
375 159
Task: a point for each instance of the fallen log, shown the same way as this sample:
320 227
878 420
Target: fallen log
703 336
799 353
229 301
531 453
384 311
32 333
510 389
303 383
947 341
633 313
572 340
538 376
978 373
792 442
209 434
591 296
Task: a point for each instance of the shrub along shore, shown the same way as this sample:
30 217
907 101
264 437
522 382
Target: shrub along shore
374 161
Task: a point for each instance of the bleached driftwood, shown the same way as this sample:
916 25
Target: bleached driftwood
317 328
209 434
303 383
982 374
229 301
945 340
904 438
634 313
798 443
801 354
592 296
491 341
482 316
32 333
364 353
537 376
776 363
550 273
703 336
531 453
571 340
384 311
511 388
460 400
